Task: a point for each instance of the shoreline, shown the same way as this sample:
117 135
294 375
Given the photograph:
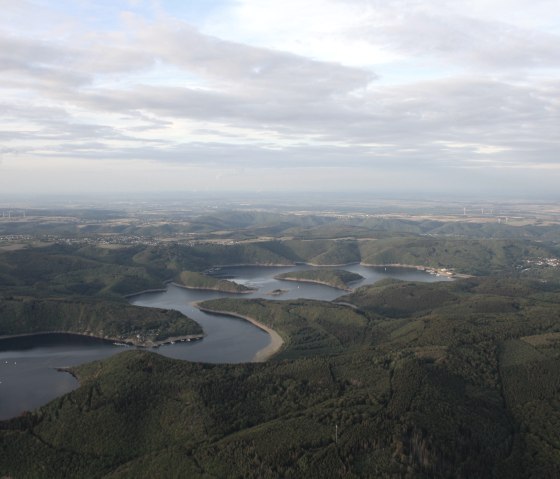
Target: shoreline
256 265
442 272
201 288
145 291
276 341
324 283
152 290
116 341
439 271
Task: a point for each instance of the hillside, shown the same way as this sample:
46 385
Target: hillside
95 271
243 225
420 380
458 380
108 319
336 278
193 280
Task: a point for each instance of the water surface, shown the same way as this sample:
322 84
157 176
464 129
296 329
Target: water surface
28 368
28 365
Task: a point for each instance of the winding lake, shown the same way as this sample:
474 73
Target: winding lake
28 365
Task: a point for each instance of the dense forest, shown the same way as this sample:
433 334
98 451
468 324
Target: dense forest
337 278
396 379
459 380
389 222
105 319
194 280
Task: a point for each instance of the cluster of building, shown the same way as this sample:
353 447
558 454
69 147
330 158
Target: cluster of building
13 238
554 262
108 240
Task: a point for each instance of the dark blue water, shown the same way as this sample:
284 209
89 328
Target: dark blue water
28 365
28 368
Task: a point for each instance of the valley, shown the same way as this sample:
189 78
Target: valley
394 377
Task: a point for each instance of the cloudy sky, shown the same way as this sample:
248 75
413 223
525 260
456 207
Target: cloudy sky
267 95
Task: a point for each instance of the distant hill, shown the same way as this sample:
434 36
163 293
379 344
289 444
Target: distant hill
244 224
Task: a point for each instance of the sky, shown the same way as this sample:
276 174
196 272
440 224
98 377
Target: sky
384 96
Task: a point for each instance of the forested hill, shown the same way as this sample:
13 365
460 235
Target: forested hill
194 280
456 379
243 225
66 283
335 278
112 320
398 379
97 271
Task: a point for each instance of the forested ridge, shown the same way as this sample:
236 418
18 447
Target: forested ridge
464 384
192 279
397 379
337 278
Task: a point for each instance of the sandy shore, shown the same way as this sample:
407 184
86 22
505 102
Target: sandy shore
267 352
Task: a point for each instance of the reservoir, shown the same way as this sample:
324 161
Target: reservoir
28 365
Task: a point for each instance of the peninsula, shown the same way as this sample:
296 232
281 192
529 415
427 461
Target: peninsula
111 320
194 280
276 341
336 278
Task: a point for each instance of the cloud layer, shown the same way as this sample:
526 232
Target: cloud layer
357 93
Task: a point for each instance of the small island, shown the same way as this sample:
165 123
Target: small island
335 278
277 292
194 280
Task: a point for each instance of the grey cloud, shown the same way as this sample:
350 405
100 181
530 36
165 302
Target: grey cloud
43 65
245 81
223 64
255 69
14 49
222 154
418 117
19 111
467 41
430 125
34 63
